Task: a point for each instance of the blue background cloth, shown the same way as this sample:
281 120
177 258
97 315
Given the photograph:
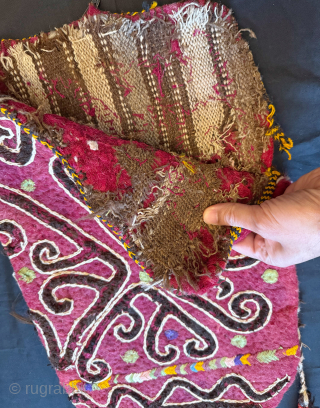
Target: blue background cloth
287 51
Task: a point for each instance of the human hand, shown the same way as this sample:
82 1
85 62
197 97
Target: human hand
285 229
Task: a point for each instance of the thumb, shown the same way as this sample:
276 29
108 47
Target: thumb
234 214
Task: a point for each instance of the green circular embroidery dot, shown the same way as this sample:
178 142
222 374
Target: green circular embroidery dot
28 185
270 276
27 275
144 277
239 341
130 356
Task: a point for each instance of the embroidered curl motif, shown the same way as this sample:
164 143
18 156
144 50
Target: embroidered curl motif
105 290
93 370
207 396
16 237
87 248
24 151
241 319
225 288
60 174
239 263
166 308
88 330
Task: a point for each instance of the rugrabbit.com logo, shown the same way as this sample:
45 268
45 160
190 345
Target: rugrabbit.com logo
43 390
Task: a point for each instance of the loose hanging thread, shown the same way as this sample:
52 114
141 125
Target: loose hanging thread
305 399
285 145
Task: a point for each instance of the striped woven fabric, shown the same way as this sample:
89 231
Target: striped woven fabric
179 78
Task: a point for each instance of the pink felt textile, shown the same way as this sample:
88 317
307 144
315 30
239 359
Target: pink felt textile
109 312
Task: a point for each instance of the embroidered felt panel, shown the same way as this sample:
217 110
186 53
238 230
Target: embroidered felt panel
113 338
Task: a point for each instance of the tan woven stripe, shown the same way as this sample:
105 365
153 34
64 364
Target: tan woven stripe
105 52
137 97
160 61
184 138
15 82
80 93
169 108
30 77
221 75
35 51
61 79
245 92
87 58
207 111
145 59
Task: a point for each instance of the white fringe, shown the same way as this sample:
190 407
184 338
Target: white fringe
303 387
192 15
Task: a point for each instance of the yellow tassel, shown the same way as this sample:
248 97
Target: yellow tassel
278 135
287 144
270 132
270 116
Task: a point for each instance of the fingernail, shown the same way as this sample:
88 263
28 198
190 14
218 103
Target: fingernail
210 216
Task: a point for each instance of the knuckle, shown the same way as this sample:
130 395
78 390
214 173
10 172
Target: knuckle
263 217
230 215
257 219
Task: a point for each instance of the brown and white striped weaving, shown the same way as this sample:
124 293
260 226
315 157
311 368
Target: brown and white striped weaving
179 78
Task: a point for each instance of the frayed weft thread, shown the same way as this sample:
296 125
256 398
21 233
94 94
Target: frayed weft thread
305 398
19 317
